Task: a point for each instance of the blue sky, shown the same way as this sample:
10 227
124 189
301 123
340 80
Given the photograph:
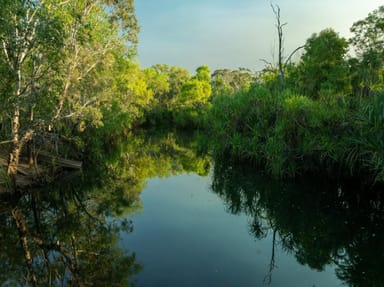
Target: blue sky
235 33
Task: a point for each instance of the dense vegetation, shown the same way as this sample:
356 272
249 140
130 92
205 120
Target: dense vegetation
325 117
70 84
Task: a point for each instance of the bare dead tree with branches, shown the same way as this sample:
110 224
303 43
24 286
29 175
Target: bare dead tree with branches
281 63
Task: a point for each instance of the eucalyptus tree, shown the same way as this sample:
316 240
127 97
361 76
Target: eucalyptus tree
55 56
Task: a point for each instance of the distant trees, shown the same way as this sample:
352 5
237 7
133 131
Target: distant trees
197 90
225 81
177 96
165 82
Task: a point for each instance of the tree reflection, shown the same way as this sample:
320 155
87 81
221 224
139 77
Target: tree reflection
53 237
67 233
318 223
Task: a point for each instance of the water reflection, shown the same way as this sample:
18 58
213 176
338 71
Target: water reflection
319 225
56 236
67 233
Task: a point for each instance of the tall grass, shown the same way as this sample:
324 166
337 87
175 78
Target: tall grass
367 141
289 134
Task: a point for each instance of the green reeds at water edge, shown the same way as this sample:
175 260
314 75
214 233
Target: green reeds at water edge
289 134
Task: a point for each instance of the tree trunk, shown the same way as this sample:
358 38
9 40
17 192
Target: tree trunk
279 27
14 154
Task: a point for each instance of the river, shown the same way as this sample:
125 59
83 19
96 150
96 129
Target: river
163 211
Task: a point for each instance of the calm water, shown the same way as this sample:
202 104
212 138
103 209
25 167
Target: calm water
186 237
160 210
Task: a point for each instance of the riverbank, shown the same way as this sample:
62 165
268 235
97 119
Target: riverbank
289 135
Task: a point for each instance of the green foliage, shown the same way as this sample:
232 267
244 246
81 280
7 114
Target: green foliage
178 99
368 41
369 32
322 66
327 118
166 83
242 117
287 134
367 140
197 91
65 65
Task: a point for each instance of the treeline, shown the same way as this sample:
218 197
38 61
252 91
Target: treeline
322 114
325 116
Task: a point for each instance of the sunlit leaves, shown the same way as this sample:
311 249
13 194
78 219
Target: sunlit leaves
197 90
323 65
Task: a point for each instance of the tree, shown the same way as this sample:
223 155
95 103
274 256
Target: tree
25 27
369 33
282 61
368 41
226 81
323 67
165 82
197 90
279 27
53 53
158 82
177 78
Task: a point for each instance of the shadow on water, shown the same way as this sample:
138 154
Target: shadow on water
319 224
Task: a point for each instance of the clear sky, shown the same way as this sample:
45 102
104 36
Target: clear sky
235 33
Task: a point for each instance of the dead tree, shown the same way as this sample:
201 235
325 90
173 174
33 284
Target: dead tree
281 63
279 27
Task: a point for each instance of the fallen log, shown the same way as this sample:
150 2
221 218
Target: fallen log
62 162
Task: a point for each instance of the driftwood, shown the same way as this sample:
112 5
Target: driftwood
27 175
61 162
25 169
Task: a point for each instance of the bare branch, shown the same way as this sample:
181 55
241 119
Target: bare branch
267 62
292 53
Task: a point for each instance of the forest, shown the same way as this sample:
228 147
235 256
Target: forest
71 86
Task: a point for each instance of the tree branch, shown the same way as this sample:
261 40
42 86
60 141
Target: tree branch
292 53
267 62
